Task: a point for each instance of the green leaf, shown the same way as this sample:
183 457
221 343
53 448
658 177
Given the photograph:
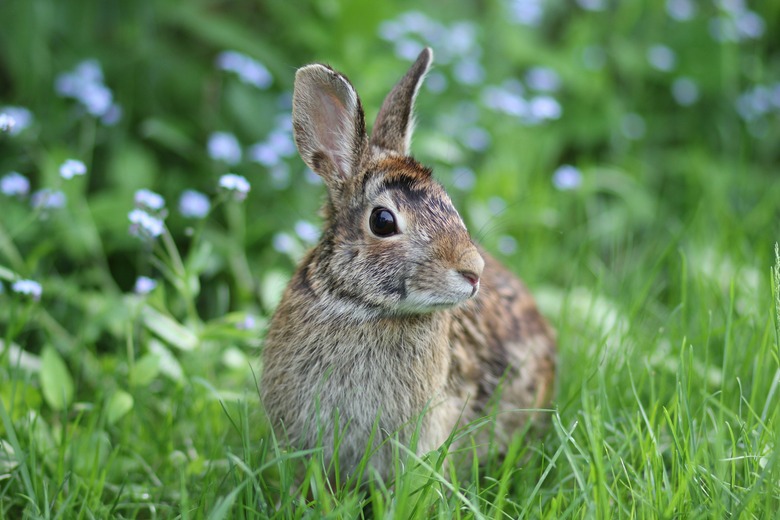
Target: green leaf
145 370
168 329
56 383
118 405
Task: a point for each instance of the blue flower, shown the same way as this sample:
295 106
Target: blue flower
307 231
144 285
661 57
567 177
85 84
71 168
685 91
7 123
28 287
235 183
543 79
284 243
148 199
144 225
48 199
250 71
14 183
18 119
224 146
194 204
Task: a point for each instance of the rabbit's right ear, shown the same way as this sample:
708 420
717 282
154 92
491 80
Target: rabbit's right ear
328 123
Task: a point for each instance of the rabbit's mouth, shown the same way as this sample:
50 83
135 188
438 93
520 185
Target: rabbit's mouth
444 292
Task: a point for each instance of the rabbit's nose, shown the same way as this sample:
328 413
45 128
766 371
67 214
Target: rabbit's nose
471 277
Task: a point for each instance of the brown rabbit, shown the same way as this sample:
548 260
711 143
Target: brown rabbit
395 320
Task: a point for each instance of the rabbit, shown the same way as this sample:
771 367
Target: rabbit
395 321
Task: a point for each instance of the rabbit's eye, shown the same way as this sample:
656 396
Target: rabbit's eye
382 222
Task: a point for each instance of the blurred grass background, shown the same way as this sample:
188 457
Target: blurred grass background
622 157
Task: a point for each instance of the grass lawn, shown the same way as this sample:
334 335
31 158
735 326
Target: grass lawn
623 160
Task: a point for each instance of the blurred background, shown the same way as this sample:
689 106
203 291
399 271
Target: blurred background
622 157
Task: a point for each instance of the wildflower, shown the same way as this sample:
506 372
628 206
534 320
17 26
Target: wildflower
685 91
661 57
527 12
48 199
14 183
463 178
307 231
475 138
542 108
148 199
264 154
280 176
469 71
7 123
144 285
144 225
543 79
194 204
507 245
224 146
496 205
28 287
567 177
284 243
71 168
235 183
85 84
248 323
17 119
680 10
248 70
408 49
436 82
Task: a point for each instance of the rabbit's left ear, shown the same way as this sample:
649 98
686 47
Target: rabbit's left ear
395 122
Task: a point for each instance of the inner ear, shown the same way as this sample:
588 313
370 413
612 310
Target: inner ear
395 122
328 122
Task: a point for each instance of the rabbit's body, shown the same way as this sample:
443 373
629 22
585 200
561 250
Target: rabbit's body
395 315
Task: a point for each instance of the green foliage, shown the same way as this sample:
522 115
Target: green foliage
651 252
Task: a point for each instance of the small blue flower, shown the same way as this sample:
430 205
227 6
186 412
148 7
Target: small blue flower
507 244
250 71
71 168
149 200
543 79
685 91
18 119
284 243
680 10
307 231
85 84
527 12
28 287
144 225
567 177
224 146
235 183
248 323
194 204
661 57
144 285
463 178
14 183
48 199
7 123
542 108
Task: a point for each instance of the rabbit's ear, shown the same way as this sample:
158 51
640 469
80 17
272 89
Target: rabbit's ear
328 122
395 122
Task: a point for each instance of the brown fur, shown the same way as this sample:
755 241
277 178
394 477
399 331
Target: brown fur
373 333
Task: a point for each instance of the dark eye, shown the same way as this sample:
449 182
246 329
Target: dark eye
382 222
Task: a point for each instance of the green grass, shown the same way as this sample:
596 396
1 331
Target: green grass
660 271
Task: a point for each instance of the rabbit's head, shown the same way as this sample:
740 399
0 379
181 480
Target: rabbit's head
393 242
